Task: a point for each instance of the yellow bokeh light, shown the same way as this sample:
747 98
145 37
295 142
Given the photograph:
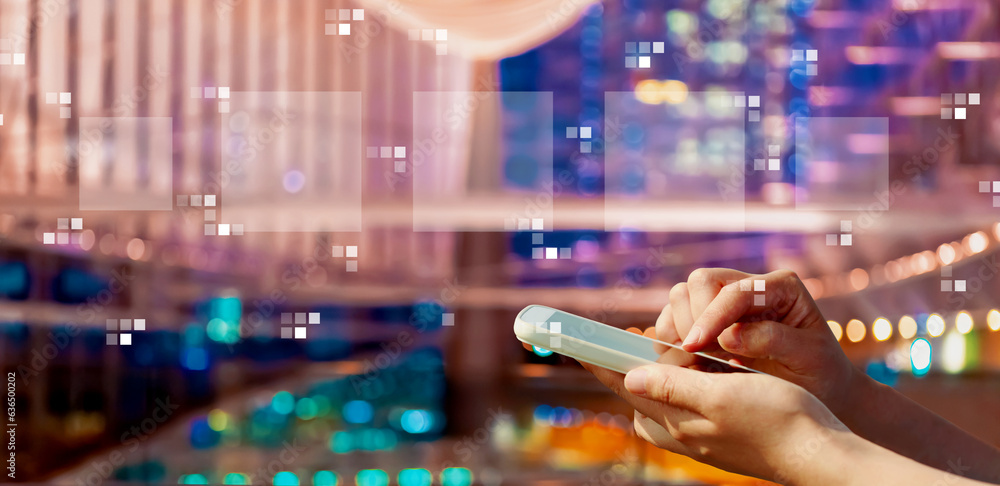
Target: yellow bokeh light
907 327
963 322
855 330
838 332
881 329
993 320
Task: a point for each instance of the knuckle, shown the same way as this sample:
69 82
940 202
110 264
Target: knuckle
786 274
700 277
678 292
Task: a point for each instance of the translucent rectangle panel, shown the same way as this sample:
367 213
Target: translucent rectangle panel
683 153
454 191
841 164
292 161
126 164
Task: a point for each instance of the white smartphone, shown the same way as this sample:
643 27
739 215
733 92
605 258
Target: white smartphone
591 341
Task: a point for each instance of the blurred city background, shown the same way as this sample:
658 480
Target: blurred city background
283 242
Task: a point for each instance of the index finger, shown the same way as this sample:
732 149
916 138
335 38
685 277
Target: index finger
769 296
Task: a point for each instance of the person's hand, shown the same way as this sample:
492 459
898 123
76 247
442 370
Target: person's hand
719 311
746 423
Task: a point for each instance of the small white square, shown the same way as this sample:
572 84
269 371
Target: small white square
352 251
960 286
300 333
846 226
65 112
352 266
551 253
400 152
224 92
537 224
399 166
812 55
286 333
555 327
441 49
441 34
960 113
774 150
126 339
139 324
644 61
300 318
337 251
746 285
314 318
758 285
224 230
448 319
996 186
759 164
585 132
385 152
754 116
62 223
973 97
330 29
358 14
344 29
1 119
566 253
946 285
19 59
196 200
658 48
344 14
427 34
585 147
223 107
210 230
758 300
76 223
773 164
798 55
126 324
571 132
960 98
846 240
754 102
62 238
210 92
984 186
831 240
523 223
210 200
65 98
49 238
538 253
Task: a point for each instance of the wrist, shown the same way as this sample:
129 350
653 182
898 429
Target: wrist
861 389
826 454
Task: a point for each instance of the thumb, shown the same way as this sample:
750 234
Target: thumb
676 386
766 340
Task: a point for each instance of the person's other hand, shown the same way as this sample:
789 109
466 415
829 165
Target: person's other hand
719 311
743 422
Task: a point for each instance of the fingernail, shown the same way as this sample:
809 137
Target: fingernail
635 381
693 337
